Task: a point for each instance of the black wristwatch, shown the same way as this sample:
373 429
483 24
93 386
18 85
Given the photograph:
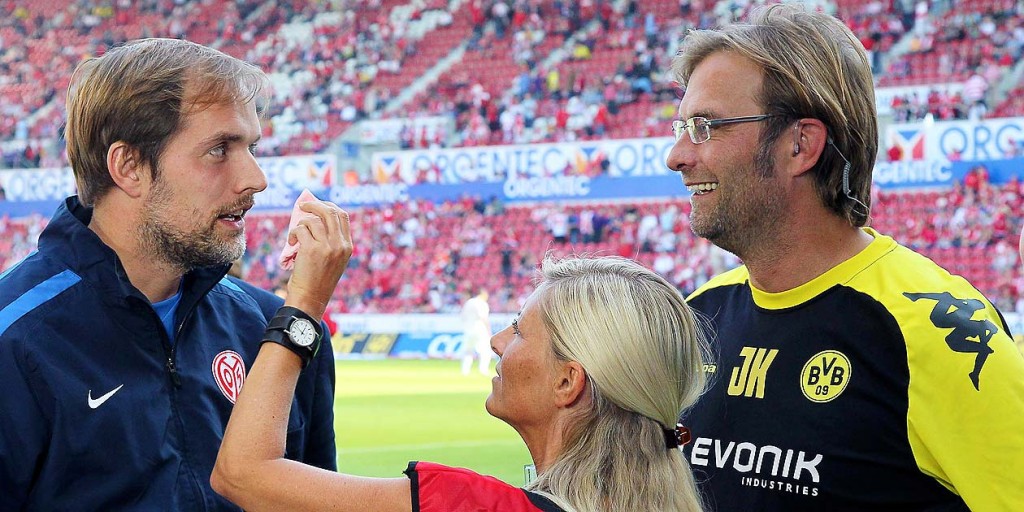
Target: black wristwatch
293 328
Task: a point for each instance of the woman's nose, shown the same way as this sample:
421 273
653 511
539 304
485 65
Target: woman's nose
499 340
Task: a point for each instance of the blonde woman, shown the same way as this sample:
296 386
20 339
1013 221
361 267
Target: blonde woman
593 374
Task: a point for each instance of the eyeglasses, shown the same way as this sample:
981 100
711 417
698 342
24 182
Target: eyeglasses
699 128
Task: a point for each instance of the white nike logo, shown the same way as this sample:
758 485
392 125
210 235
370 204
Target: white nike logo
94 403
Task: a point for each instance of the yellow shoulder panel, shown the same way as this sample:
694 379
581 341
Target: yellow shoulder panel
737 275
966 395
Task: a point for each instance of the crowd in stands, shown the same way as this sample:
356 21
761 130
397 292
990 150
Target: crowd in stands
528 72
583 96
611 72
333 67
531 72
1013 105
425 257
960 43
41 43
939 105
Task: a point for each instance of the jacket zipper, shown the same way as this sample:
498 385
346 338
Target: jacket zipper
176 380
171 367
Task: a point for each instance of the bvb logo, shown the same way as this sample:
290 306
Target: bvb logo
825 376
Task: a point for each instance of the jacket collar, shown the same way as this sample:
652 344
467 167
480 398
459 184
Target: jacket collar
68 239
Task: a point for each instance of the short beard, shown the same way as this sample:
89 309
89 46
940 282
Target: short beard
183 250
740 227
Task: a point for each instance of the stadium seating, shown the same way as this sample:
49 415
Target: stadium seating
447 263
952 46
548 71
340 65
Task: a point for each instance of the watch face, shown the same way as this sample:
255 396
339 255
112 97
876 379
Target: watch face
302 332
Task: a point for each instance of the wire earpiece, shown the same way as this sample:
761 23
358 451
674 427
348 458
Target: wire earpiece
846 181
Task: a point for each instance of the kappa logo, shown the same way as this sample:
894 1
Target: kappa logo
229 373
825 376
748 379
968 336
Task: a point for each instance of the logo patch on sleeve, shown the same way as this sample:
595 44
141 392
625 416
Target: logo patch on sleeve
825 376
968 336
229 373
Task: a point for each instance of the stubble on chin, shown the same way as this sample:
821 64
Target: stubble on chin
707 224
187 249
727 226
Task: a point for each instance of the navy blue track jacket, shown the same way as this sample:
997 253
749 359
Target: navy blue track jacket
100 411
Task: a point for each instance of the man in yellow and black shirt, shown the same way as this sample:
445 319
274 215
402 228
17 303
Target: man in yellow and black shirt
849 373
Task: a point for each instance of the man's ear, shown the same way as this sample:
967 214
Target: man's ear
125 168
809 136
571 383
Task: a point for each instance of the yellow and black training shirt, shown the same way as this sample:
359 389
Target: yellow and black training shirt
884 384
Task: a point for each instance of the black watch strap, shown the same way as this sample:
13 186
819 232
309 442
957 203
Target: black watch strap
277 333
284 315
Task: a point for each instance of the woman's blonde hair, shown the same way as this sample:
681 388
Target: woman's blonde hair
643 354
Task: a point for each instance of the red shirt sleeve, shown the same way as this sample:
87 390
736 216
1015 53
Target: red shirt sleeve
438 488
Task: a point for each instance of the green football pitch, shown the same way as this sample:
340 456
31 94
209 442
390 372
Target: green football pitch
389 412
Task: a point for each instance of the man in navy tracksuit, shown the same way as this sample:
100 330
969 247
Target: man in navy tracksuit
123 346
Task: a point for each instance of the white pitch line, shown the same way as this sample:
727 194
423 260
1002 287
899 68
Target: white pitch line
424 446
